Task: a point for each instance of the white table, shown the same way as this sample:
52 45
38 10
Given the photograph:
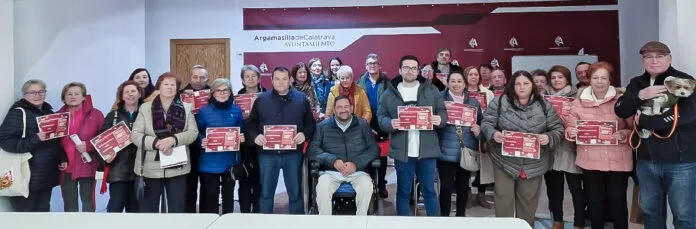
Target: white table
267 221
57 220
262 221
397 222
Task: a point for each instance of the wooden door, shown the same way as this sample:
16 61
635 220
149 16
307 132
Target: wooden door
213 54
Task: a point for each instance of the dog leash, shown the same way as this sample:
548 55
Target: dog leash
671 132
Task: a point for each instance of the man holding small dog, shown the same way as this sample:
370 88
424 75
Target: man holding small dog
666 162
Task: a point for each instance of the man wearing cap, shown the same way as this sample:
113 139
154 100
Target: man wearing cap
666 168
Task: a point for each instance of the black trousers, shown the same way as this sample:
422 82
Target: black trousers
37 201
175 188
607 187
555 188
211 188
192 193
122 196
477 183
249 186
453 178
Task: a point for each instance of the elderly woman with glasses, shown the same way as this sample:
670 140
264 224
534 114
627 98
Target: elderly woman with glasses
215 167
20 133
356 94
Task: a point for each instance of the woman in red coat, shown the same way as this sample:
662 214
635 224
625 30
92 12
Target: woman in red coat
82 164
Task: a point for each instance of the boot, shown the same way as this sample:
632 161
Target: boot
558 225
481 198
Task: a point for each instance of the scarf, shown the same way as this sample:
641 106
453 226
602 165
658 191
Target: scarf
307 89
322 87
166 124
348 92
563 92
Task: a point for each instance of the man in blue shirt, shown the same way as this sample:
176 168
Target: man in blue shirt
375 82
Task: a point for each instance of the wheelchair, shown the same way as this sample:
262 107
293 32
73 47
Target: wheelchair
344 197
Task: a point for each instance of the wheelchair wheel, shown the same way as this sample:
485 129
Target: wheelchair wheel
305 185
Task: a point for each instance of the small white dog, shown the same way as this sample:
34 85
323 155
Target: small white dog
676 88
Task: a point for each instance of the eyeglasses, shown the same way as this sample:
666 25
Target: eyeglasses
36 93
223 91
372 63
658 57
407 68
426 70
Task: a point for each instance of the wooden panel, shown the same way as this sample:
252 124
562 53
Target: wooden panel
213 54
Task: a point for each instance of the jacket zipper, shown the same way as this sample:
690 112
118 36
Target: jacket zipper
345 145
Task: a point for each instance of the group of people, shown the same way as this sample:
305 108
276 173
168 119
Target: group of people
342 120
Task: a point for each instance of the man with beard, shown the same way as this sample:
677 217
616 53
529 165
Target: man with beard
344 146
414 151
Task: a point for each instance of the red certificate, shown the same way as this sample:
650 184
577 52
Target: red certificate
280 137
221 139
197 98
481 97
560 103
55 125
111 141
524 145
415 118
246 101
442 77
596 132
460 114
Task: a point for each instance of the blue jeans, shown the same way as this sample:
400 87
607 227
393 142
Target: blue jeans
425 170
269 169
674 182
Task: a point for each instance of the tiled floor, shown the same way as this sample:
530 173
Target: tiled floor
281 204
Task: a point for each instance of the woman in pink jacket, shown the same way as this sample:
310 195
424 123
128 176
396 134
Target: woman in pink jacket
606 167
82 164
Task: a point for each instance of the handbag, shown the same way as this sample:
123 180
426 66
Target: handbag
14 168
140 180
470 158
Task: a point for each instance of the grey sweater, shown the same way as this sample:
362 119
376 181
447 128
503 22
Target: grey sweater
530 119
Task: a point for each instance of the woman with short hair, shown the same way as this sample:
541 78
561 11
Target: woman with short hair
216 167
46 154
162 126
82 165
119 172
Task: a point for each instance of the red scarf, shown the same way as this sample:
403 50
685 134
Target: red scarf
348 92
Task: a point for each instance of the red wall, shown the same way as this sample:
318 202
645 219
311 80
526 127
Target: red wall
595 31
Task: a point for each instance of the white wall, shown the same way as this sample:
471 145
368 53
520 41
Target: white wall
6 68
96 42
638 24
186 19
676 30
6 56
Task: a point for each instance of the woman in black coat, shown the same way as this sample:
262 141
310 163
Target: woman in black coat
249 185
119 173
48 158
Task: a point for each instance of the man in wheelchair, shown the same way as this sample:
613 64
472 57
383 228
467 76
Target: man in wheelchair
343 147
